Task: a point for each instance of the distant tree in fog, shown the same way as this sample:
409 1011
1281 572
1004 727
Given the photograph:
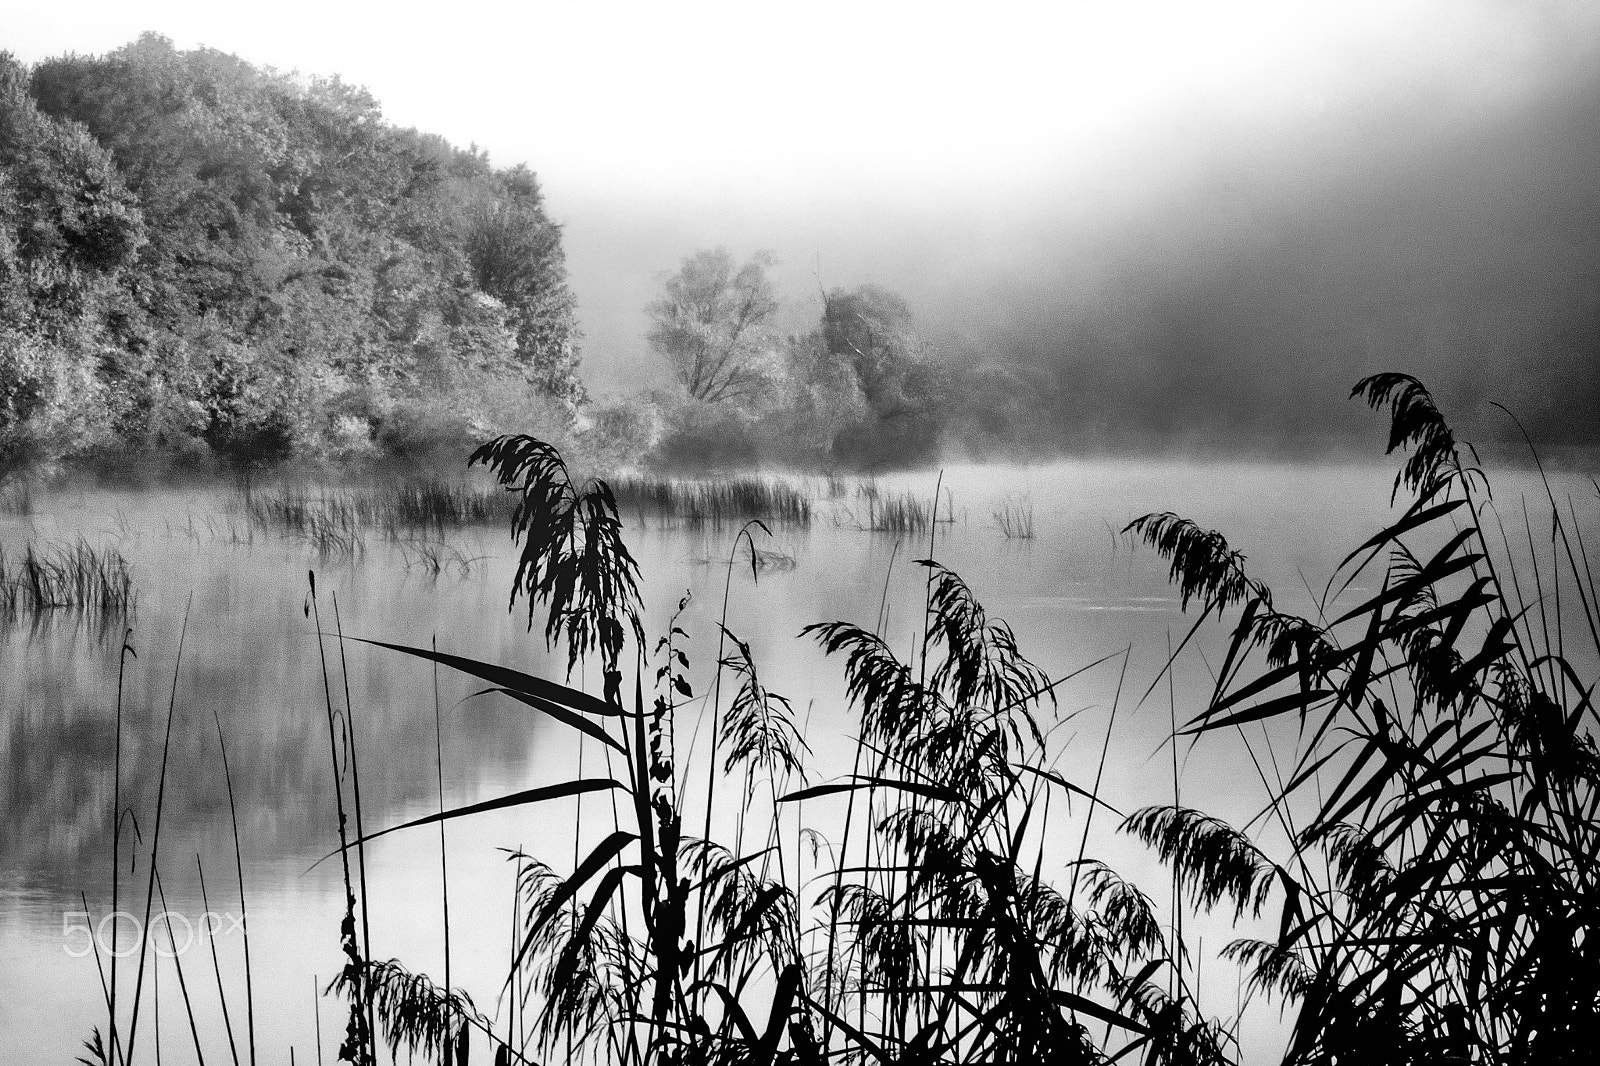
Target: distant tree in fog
711 324
869 329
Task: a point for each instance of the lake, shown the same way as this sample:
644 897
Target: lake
1075 593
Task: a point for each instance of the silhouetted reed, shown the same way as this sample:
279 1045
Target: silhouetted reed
1429 863
934 911
1435 891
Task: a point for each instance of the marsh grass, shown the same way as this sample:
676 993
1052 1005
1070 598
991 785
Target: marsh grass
438 505
330 523
903 514
1014 518
436 560
77 577
713 504
335 521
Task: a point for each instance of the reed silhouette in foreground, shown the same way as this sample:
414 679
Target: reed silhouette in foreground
1433 890
1425 854
1435 879
922 926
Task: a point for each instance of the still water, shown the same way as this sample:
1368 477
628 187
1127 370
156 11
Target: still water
250 664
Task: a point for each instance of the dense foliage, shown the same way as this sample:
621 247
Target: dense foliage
203 259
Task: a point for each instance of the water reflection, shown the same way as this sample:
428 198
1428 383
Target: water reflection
1073 593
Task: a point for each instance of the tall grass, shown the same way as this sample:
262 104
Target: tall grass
932 931
1430 850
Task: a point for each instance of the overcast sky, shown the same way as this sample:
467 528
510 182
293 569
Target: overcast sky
1005 166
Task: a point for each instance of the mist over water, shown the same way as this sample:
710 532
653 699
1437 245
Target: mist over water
1216 273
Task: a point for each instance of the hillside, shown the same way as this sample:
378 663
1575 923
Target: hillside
210 263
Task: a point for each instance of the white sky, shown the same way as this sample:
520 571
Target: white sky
654 98
657 128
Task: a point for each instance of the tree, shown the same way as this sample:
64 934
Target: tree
869 329
515 254
711 324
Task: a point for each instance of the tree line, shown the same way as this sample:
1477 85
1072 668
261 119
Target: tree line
209 265
209 262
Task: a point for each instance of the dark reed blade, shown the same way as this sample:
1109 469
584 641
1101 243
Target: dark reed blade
155 843
244 912
216 965
515 799
560 714
183 985
513 680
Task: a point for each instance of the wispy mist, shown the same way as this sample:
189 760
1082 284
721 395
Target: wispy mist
1221 271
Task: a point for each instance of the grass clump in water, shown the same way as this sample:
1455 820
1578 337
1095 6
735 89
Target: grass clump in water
1014 518
435 560
436 504
77 577
336 521
903 513
714 504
